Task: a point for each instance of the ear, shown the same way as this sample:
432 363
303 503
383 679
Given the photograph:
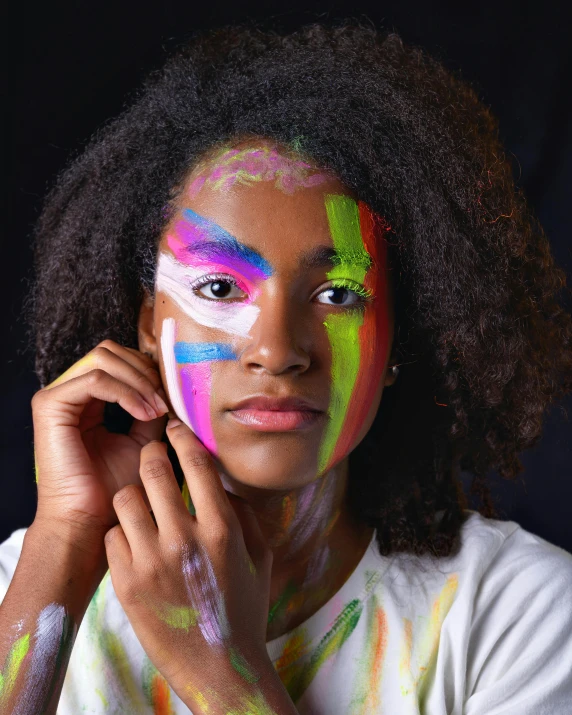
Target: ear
146 327
390 377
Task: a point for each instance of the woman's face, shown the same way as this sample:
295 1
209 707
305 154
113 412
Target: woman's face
272 282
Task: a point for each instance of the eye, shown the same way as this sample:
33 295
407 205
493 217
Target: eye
217 287
345 296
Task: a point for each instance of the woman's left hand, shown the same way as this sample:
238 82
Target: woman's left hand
194 587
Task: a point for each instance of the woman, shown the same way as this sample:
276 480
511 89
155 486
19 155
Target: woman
278 229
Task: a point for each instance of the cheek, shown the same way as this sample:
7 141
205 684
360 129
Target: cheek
174 279
187 368
359 345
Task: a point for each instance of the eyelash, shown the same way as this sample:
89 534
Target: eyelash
363 295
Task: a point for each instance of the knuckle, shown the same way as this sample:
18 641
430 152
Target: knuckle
196 460
126 496
99 354
155 469
152 374
106 345
38 399
221 537
96 376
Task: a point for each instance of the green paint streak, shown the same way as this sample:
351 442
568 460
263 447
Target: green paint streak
351 259
187 499
239 663
366 661
147 674
343 627
252 705
351 264
103 698
282 600
15 657
114 657
180 617
342 330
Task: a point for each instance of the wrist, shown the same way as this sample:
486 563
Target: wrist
75 559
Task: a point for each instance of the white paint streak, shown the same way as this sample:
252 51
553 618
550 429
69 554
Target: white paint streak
41 672
175 278
168 354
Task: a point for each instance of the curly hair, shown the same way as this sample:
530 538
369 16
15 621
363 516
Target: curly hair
483 338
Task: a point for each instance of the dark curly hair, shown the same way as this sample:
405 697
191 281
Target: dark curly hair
483 339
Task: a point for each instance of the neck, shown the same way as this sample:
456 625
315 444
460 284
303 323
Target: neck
315 543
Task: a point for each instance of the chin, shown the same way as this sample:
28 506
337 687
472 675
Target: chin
274 472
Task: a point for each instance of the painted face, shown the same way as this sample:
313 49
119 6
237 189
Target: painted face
272 280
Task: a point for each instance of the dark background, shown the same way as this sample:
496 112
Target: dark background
74 65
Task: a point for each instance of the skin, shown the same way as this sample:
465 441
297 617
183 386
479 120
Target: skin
302 513
269 539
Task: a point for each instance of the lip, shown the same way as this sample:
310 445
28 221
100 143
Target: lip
271 404
276 414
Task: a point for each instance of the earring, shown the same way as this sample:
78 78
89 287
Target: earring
395 370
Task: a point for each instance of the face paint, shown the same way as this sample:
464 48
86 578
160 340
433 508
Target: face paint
357 339
231 167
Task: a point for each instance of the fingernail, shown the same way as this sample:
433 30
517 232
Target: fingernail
150 410
160 404
173 422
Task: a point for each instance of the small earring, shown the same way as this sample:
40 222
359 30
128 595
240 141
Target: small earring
395 370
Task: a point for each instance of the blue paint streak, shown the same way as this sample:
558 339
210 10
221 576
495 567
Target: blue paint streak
203 352
227 242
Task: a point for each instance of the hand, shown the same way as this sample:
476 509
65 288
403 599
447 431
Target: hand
79 464
195 587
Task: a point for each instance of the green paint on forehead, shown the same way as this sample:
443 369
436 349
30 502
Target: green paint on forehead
342 332
351 259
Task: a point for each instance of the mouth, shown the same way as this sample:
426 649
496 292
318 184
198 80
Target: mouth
276 420
270 414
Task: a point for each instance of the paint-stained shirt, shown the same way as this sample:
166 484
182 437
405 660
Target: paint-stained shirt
487 631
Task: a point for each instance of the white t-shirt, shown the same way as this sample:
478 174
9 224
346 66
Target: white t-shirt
486 632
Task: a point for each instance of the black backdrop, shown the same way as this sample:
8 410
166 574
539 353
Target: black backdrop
73 65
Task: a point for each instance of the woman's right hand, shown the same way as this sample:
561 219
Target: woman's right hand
80 465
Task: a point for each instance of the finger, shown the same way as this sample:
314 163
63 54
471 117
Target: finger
135 519
161 486
254 539
205 487
117 547
77 392
145 432
126 367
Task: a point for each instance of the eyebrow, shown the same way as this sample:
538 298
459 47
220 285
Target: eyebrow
212 239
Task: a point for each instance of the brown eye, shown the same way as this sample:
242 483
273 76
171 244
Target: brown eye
341 296
217 288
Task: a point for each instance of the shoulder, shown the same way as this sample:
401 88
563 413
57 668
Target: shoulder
10 551
508 557
520 639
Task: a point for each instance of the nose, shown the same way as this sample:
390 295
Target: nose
275 346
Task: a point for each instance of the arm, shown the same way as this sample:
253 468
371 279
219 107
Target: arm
57 574
79 468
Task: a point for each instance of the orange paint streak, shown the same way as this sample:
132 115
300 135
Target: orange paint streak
373 334
161 696
378 658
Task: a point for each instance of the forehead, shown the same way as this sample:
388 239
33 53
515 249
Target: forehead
282 222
